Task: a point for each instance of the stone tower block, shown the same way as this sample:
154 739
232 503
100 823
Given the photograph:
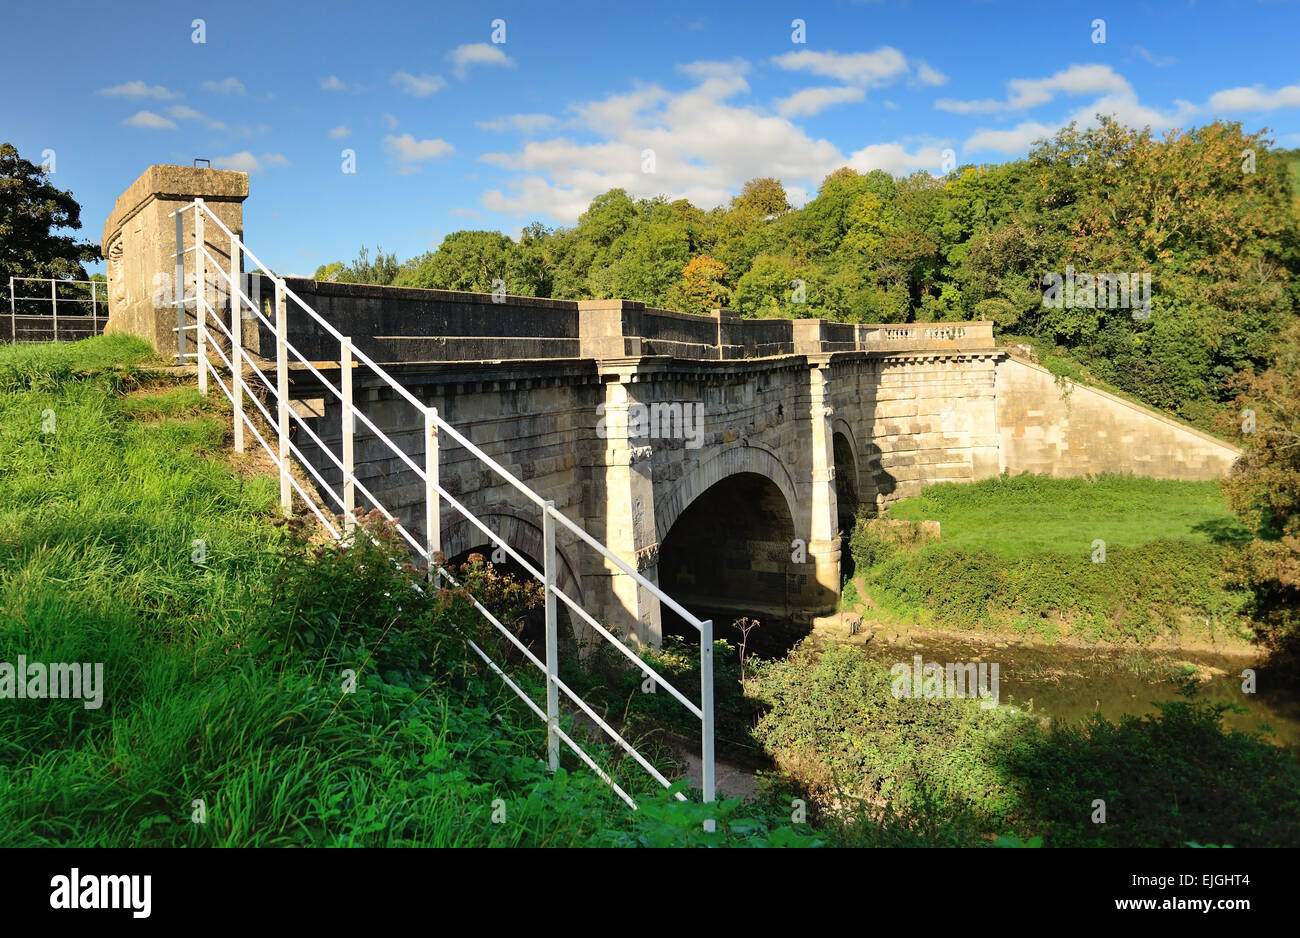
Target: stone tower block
140 240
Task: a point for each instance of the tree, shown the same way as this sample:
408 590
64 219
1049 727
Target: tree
382 271
702 288
31 212
1264 490
764 198
472 261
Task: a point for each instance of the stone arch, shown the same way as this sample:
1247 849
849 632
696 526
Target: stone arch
844 428
740 458
729 556
848 478
519 531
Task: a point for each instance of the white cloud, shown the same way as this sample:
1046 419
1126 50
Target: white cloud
411 150
464 212
419 85
714 69
893 158
1015 140
339 132
815 100
477 53
245 162
138 89
521 123
332 83
181 112
1257 98
230 85
1123 106
390 121
1128 111
705 147
150 120
858 68
929 75
1024 93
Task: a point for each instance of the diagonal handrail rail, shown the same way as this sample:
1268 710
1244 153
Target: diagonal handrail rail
435 493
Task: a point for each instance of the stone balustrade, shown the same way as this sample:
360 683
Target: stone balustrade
398 324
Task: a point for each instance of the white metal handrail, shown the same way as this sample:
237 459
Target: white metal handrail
286 451
53 300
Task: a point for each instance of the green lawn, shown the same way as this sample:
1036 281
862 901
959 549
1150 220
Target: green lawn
1014 516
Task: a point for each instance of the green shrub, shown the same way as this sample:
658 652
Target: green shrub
1141 593
946 772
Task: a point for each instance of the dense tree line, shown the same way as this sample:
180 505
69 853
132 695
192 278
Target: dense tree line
1207 213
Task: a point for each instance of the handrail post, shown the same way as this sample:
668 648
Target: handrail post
13 311
236 346
94 308
347 432
178 287
200 297
706 707
54 308
282 393
552 639
432 509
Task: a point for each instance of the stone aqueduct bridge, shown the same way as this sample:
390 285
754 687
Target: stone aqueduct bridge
723 457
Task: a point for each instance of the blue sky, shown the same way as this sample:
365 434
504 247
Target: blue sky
452 130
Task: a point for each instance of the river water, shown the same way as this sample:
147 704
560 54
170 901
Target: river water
1071 683
1065 681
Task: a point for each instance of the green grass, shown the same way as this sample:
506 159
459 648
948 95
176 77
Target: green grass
1014 516
127 539
1115 559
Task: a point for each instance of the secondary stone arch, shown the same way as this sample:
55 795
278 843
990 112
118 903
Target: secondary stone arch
519 531
843 427
848 478
743 458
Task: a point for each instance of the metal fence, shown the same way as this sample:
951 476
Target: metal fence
212 335
59 311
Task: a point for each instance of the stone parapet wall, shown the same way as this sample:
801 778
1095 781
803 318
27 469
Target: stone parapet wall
398 324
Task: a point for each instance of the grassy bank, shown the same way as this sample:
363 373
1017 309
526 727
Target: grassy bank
1116 558
259 688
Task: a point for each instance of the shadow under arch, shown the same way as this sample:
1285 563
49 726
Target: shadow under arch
735 460
460 539
846 495
728 556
